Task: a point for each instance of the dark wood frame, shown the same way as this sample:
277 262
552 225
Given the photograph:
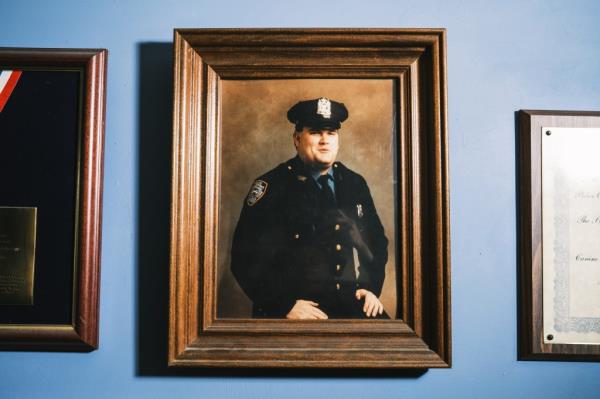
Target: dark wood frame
530 301
82 334
415 58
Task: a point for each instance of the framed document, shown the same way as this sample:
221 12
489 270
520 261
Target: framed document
559 226
51 155
310 199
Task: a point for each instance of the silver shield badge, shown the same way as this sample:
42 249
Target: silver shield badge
324 108
257 191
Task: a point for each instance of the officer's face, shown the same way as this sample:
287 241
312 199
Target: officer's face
317 148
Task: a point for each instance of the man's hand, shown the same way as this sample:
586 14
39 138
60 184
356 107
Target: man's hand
372 306
306 310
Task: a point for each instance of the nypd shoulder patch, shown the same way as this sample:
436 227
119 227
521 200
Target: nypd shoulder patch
257 191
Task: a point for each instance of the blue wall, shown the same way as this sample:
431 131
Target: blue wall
501 57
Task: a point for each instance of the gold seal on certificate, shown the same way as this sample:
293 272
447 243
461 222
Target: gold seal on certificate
17 255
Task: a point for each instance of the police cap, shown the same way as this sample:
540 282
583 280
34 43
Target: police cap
320 113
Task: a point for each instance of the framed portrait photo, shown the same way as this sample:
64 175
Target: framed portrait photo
51 155
310 221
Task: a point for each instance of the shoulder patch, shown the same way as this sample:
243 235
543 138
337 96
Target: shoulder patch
257 191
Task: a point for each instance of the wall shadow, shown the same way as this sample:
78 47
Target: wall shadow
155 72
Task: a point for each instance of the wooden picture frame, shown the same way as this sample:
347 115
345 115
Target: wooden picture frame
415 60
75 192
533 342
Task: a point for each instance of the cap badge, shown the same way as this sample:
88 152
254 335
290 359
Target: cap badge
324 108
257 191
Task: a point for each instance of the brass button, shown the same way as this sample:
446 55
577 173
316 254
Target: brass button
337 226
338 268
338 247
296 236
337 286
335 165
289 167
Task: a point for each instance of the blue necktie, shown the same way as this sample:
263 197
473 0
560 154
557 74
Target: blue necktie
326 197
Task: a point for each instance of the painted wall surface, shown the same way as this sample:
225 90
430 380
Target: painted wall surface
502 57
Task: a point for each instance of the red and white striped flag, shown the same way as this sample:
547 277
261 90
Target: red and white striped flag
8 81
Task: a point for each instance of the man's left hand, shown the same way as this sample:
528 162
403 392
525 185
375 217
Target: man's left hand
373 305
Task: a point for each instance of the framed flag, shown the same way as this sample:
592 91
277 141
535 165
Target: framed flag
51 154
8 81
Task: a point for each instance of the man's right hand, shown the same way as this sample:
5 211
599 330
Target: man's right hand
306 310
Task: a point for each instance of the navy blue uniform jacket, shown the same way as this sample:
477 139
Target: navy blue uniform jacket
286 248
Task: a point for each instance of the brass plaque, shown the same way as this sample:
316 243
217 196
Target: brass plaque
17 255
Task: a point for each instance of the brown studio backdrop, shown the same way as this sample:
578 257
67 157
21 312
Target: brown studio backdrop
256 137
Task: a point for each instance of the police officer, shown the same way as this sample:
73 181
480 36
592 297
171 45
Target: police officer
309 243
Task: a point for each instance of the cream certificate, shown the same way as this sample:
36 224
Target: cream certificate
571 235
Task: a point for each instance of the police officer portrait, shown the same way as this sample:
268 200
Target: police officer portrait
312 236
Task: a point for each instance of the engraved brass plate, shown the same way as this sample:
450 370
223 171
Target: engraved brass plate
17 255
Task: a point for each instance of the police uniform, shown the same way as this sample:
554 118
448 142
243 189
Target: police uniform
288 246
